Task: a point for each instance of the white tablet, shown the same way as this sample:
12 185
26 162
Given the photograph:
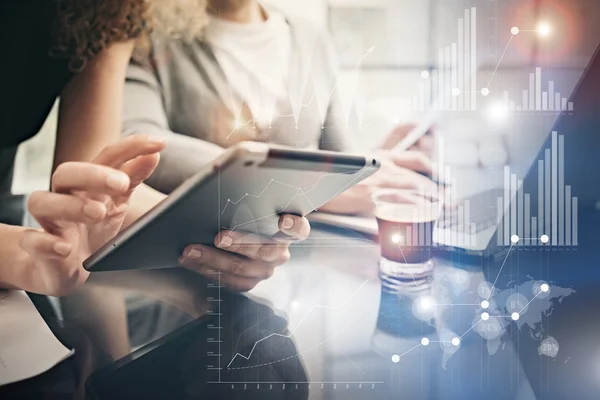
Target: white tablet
246 189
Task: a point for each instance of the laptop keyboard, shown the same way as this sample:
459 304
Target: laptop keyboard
484 214
449 221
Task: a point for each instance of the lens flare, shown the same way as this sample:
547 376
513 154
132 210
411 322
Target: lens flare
544 29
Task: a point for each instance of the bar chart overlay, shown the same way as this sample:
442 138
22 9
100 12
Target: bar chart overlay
452 85
537 97
554 222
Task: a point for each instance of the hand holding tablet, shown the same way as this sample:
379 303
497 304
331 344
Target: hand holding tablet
253 199
243 260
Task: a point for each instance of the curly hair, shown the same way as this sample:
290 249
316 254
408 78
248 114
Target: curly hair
183 19
83 28
225 5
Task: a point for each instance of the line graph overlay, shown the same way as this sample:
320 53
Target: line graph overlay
314 307
304 351
456 340
299 190
499 272
349 184
297 106
534 98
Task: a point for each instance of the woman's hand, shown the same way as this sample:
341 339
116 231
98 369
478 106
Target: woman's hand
241 260
84 210
424 145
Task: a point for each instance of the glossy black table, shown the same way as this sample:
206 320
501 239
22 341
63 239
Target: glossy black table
323 328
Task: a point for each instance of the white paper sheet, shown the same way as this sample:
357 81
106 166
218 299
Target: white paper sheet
27 346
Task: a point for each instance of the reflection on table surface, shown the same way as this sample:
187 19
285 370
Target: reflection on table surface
321 328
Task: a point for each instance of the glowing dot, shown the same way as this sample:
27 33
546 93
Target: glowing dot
455 91
514 239
425 341
485 316
485 304
515 31
544 287
295 304
237 124
515 316
455 341
497 112
396 238
544 238
395 358
485 91
543 29
425 303
425 74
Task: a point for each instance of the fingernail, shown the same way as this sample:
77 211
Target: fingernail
287 222
62 248
192 254
93 211
117 181
226 241
157 140
149 139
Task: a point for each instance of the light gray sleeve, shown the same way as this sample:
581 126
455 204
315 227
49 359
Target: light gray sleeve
335 136
144 112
